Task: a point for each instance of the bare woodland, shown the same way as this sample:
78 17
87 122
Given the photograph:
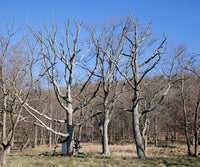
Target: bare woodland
113 83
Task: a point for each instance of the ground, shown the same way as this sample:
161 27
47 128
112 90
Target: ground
122 155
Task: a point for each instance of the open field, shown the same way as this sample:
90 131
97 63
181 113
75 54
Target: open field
122 155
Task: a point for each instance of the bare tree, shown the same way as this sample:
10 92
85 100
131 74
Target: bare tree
184 101
196 127
109 45
5 52
195 70
16 64
190 95
184 62
138 65
67 54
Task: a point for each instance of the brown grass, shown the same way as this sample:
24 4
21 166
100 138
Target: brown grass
121 155
117 150
129 150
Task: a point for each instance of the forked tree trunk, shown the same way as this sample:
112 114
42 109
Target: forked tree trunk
105 137
137 134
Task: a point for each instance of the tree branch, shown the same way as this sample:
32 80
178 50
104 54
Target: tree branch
156 52
95 114
43 115
86 103
159 102
43 124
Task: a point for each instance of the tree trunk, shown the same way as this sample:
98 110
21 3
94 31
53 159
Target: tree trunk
43 138
144 134
3 152
145 145
35 137
196 142
172 137
166 135
156 140
25 144
3 158
80 133
5 97
185 113
50 135
175 134
137 134
70 130
105 136
4 127
186 130
101 132
8 150
55 141
156 131
196 129
188 142
50 123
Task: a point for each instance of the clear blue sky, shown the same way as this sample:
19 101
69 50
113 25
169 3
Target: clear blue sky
179 19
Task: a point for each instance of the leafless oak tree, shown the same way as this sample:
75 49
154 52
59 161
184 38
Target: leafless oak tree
139 62
66 53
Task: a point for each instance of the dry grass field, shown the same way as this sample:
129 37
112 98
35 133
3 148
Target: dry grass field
122 155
